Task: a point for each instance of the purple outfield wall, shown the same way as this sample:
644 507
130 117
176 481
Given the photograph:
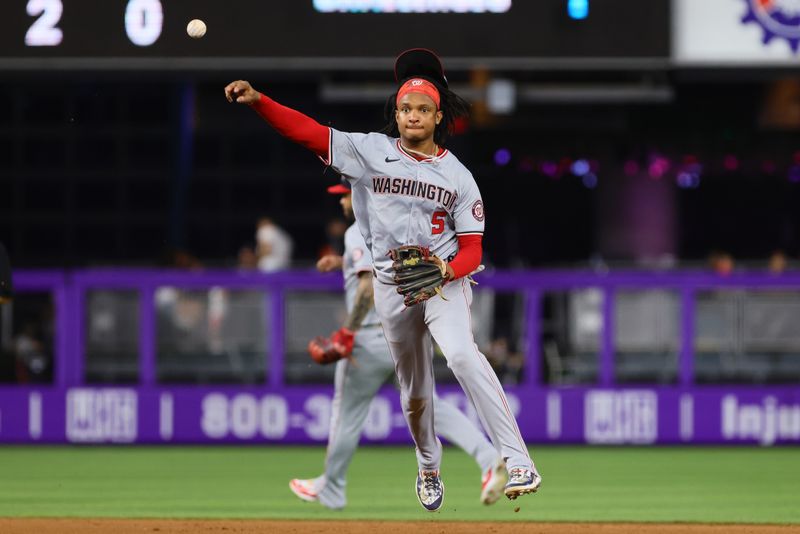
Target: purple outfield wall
69 411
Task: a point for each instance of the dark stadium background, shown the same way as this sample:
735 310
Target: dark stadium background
89 165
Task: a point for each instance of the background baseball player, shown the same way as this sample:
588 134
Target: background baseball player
356 382
412 191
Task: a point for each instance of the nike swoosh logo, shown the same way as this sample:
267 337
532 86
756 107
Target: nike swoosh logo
388 160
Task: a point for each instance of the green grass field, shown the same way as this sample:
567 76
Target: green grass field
733 485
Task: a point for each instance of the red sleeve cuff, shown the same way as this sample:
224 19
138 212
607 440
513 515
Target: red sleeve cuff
469 255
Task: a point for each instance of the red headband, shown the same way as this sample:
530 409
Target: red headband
418 85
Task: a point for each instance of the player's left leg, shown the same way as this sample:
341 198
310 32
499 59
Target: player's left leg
450 323
412 351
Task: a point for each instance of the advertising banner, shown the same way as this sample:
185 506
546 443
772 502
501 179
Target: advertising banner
87 415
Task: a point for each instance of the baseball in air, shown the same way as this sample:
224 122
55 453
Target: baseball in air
196 29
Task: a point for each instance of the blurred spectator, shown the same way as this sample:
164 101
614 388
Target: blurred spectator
721 262
507 364
273 246
32 359
777 262
218 307
182 320
334 234
247 259
181 259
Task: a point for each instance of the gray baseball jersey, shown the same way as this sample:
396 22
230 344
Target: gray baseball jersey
398 200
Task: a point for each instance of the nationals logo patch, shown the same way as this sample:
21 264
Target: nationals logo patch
477 210
357 254
778 18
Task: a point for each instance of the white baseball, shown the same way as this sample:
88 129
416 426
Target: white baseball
196 28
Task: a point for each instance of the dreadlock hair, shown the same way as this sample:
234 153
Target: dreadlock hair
451 105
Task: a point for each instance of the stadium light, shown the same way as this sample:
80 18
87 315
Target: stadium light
502 157
578 9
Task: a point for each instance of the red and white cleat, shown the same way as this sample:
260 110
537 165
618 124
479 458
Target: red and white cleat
304 489
493 482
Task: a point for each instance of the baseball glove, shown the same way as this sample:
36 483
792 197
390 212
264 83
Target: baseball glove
419 275
325 350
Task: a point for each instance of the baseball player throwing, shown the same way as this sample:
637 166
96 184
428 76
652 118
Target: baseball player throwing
421 215
355 384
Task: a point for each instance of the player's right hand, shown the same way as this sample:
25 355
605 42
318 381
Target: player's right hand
329 262
241 92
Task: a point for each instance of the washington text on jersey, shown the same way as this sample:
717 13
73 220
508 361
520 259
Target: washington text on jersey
387 185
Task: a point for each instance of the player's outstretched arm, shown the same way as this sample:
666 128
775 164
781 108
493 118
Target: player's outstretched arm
241 92
290 123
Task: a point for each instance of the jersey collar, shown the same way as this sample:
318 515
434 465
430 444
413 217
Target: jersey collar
418 159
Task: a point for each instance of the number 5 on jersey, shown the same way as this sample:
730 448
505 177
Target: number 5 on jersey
437 222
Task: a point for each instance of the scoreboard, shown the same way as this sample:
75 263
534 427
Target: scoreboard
321 34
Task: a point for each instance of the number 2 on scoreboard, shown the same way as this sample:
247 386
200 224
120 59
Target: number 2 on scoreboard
43 32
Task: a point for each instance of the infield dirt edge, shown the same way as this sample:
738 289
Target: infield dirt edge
246 526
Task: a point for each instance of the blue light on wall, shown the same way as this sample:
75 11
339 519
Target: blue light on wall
578 9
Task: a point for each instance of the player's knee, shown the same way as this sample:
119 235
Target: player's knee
416 406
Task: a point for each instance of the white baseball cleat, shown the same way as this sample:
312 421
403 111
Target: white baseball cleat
522 481
304 489
493 482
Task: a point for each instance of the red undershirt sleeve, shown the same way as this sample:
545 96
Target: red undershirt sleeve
468 256
294 125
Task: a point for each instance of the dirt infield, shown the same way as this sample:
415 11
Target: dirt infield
168 526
